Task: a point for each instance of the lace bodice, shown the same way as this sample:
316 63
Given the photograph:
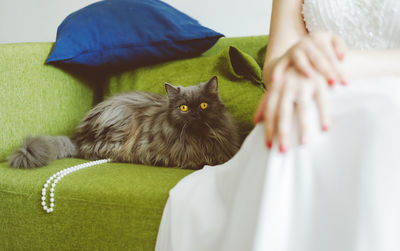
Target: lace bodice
364 24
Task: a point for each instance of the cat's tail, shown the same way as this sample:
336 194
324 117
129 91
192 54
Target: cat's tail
40 150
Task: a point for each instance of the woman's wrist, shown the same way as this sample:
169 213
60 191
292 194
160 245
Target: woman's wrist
267 72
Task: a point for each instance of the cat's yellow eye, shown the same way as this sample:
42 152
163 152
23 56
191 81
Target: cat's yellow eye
203 105
184 108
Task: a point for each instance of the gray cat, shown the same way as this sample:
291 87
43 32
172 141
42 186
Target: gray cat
189 128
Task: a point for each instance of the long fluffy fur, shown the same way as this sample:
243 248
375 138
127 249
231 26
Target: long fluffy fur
140 127
39 151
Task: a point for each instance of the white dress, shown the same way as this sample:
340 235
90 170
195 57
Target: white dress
339 192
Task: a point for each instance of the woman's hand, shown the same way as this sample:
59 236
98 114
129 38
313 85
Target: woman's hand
299 77
320 52
292 93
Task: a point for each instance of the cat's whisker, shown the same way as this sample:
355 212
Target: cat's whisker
213 132
182 131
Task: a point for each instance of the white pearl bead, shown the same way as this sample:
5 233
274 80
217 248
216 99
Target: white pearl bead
61 174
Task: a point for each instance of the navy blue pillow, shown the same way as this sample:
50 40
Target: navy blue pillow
129 31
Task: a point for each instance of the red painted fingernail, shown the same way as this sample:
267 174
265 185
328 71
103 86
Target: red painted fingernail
344 83
282 149
325 128
331 81
269 144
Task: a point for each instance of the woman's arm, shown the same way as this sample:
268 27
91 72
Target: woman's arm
298 66
286 29
290 48
290 45
371 63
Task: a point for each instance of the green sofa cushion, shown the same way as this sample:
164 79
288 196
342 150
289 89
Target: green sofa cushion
35 98
94 207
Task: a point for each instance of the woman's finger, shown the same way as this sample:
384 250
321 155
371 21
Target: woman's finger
280 68
303 103
301 62
326 47
259 115
323 105
270 113
321 63
285 113
339 46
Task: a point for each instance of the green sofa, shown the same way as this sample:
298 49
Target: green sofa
113 206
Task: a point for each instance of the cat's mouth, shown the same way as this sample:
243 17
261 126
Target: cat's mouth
195 127
199 128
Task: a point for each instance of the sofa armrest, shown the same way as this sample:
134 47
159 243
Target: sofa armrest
36 98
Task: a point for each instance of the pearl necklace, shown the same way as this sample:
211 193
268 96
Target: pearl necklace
53 180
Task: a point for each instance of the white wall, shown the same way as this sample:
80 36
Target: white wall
37 20
231 17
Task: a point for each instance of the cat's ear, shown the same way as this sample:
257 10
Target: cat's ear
212 85
171 90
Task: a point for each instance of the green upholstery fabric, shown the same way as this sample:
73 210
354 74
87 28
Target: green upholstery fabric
111 206
114 206
36 98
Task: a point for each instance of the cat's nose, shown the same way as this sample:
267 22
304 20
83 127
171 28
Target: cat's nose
195 116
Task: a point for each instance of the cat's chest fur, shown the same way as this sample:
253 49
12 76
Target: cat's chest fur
186 151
